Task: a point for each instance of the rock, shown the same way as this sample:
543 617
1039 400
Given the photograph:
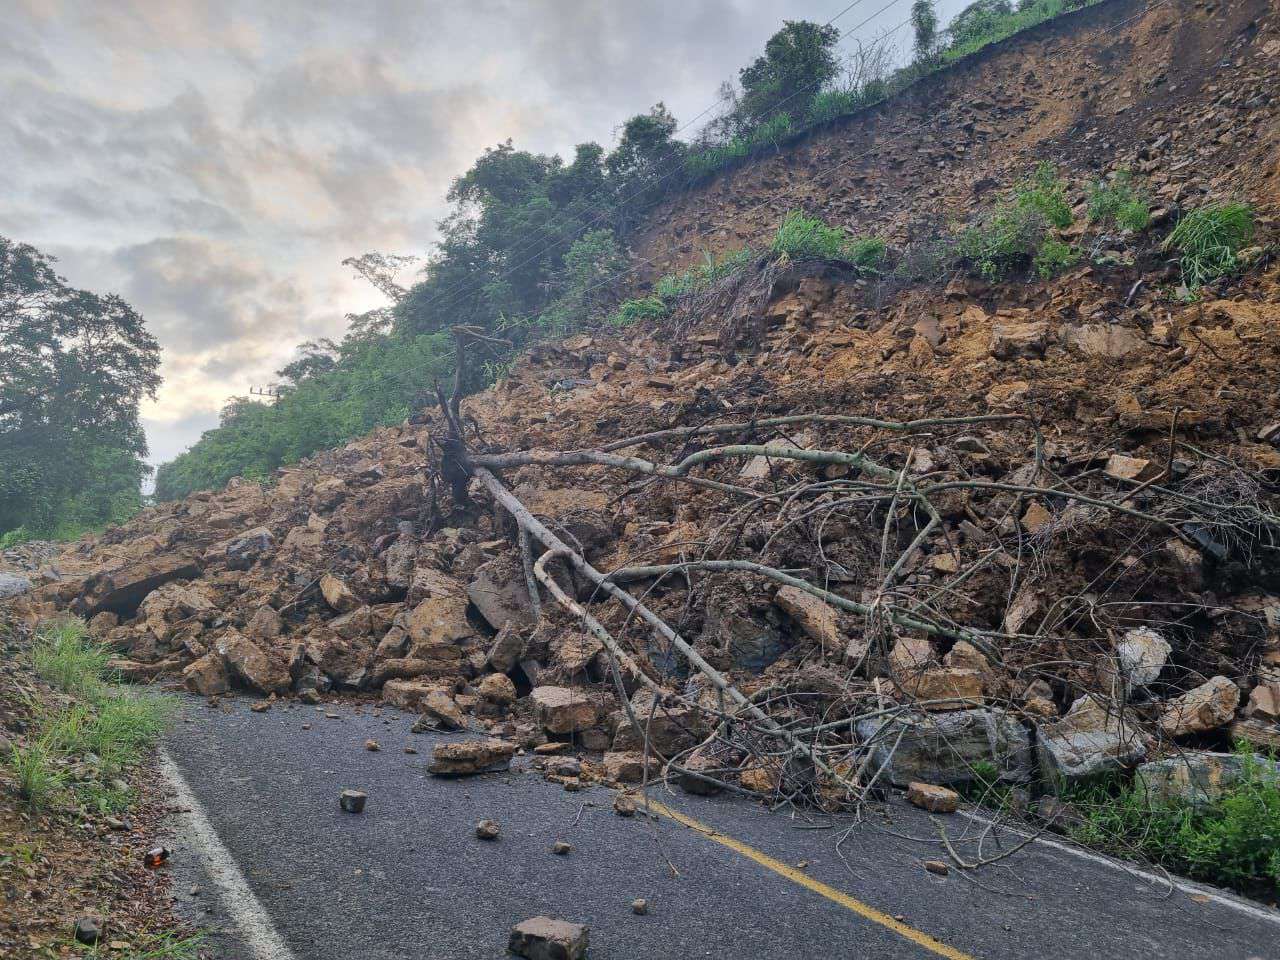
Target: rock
640 906
337 594
439 622
488 830
497 688
1142 654
945 688
742 632
439 712
372 746
88 931
818 619
345 662
1196 777
561 710
1264 702
408 695
938 867
252 666
207 676
1089 740
757 468
694 768
1036 518
12 585
1019 340
1104 340
909 657
1121 467
507 649
933 798
560 848
942 749
398 562
672 725
624 805
243 551
625 766
122 590
358 623
542 938
498 592
262 706
352 801
265 624
471 757
1207 707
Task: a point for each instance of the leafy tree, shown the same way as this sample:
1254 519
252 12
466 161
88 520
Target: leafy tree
977 21
924 21
799 60
74 367
640 166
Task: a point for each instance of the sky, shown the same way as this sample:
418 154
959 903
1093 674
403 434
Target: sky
214 163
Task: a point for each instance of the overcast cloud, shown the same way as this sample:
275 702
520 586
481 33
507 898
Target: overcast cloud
214 162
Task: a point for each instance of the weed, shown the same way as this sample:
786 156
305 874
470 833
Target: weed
808 238
167 946
38 777
1208 241
676 285
1046 194
1119 204
69 659
1016 232
1233 840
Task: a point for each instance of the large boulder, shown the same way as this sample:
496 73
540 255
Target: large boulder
345 662
1091 739
499 593
243 551
121 590
1197 777
1207 707
671 726
471 757
944 748
251 665
207 676
561 710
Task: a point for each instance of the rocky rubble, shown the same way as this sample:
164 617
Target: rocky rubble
1101 584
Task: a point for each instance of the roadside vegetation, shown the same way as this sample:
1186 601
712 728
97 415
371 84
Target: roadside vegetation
80 751
1232 841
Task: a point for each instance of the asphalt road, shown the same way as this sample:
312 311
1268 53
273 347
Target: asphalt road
408 879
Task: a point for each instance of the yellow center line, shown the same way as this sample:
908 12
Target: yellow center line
917 937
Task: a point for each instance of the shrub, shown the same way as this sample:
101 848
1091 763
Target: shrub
1119 204
35 770
1046 194
1053 257
808 238
66 657
1208 241
1234 840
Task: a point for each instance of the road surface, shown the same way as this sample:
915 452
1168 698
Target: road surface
280 873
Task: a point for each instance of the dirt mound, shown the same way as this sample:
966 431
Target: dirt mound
1027 526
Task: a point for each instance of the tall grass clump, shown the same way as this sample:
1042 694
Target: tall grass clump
1208 241
1017 232
68 658
809 238
34 767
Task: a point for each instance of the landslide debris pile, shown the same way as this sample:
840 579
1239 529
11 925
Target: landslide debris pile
802 543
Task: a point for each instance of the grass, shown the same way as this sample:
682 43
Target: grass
68 658
1233 841
115 726
1119 204
1017 232
166 946
808 238
711 270
642 308
1208 242
37 774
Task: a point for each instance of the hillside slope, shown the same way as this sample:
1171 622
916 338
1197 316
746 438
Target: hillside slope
1052 534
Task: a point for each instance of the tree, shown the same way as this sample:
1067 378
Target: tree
924 21
978 21
799 60
639 167
74 367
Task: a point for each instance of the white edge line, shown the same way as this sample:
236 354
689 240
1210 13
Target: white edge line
256 928
1186 886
